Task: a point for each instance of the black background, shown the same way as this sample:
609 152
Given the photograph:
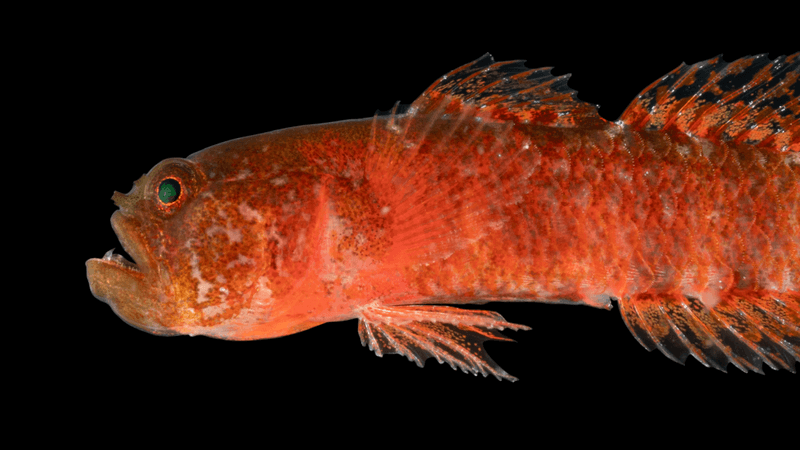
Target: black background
124 96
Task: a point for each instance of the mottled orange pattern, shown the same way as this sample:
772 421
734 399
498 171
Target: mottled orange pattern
497 184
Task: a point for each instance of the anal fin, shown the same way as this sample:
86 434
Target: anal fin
746 328
450 335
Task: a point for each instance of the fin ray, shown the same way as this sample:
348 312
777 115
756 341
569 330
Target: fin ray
746 328
509 90
450 335
752 100
473 116
750 330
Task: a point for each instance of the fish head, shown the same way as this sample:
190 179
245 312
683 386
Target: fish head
142 292
216 243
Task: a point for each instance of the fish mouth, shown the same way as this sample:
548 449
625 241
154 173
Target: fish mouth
119 260
128 287
128 231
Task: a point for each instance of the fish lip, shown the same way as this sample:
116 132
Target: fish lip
128 235
128 231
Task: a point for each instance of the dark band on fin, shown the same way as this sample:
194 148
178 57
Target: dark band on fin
510 91
752 100
745 328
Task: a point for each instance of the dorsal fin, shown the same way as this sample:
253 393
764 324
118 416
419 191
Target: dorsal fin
752 100
470 116
466 116
510 91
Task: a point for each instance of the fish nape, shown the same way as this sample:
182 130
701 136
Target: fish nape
496 184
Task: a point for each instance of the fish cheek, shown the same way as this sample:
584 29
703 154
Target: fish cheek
238 248
218 257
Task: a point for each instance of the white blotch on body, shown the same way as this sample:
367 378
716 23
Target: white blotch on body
214 310
240 260
249 213
203 286
234 234
279 181
243 174
297 253
496 225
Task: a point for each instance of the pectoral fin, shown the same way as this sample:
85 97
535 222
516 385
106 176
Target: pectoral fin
450 335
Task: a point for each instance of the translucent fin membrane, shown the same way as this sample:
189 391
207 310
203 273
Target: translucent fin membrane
745 328
510 91
752 100
450 335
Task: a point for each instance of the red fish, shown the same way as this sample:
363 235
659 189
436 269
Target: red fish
496 184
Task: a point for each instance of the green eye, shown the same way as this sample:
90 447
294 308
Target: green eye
169 190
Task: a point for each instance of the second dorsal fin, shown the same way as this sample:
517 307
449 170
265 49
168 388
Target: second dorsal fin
508 90
752 100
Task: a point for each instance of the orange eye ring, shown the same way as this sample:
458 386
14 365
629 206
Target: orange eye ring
170 193
172 183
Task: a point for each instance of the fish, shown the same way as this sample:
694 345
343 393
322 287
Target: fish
497 184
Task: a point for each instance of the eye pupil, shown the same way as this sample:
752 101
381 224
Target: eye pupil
169 190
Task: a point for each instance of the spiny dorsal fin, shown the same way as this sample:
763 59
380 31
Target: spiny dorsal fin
463 133
752 100
510 91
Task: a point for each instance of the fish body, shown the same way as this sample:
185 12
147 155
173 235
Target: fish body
497 184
